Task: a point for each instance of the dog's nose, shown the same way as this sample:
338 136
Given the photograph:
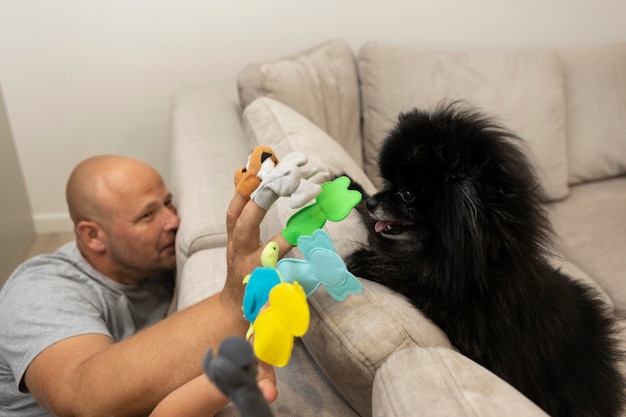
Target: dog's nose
371 203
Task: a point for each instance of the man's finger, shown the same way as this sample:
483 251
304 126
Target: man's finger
268 389
237 203
247 224
267 381
283 246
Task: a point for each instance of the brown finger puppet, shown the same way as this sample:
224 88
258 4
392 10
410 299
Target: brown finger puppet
247 178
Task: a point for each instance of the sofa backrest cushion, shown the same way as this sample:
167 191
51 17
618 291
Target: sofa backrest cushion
523 90
271 123
596 111
320 83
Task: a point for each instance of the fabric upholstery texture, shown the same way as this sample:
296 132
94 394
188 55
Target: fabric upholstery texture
203 214
272 123
448 387
523 90
311 396
596 108
321 83
202 276
591 224
351 339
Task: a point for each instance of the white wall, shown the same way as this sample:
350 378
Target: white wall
82 77
16 225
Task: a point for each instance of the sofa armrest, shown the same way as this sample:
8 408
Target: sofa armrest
208 145
350 340
443 382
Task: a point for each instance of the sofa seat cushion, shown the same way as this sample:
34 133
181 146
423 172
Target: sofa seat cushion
524 90
321 83
596 111
303 391
591 224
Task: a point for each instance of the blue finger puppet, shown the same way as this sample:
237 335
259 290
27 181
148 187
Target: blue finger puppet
260 283
323 266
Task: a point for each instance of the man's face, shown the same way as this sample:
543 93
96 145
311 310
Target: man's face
142 226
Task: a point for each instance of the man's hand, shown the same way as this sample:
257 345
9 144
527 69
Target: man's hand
267 382
243 220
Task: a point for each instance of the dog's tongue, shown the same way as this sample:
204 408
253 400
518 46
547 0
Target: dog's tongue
382 225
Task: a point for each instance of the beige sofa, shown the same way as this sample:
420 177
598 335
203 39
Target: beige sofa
373 354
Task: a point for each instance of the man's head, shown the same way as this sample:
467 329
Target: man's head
123 217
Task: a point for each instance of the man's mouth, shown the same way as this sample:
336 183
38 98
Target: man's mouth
169 245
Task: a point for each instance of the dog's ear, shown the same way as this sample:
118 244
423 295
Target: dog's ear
460 220
463 238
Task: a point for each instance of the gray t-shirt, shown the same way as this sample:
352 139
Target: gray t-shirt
53 297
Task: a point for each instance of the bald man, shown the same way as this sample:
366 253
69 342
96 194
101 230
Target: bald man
82 330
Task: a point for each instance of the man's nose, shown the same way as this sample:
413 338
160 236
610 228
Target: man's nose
172 221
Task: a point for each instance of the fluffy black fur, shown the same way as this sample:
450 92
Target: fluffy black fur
460 230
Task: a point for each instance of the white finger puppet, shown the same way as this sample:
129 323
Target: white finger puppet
286 179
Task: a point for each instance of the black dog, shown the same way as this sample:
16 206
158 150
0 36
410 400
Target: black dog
459 229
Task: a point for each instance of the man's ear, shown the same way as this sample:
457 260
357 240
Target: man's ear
92 235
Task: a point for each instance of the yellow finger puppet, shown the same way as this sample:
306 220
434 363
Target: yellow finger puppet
286 317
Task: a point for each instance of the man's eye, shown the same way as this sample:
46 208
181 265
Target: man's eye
407 196
170 205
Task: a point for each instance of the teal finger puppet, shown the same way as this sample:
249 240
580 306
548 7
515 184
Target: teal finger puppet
333 203
260 282
323 266
286 179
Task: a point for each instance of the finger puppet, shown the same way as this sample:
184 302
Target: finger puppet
286 316
234 371
262 159
260 282
333 203
323 266
286 179
277 309
286 312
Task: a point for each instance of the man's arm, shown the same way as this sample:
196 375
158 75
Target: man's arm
90 375
201 398
197 398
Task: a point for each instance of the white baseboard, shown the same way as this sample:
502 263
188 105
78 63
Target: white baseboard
52 223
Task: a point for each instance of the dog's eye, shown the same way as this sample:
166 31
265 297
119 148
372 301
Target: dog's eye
407 196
